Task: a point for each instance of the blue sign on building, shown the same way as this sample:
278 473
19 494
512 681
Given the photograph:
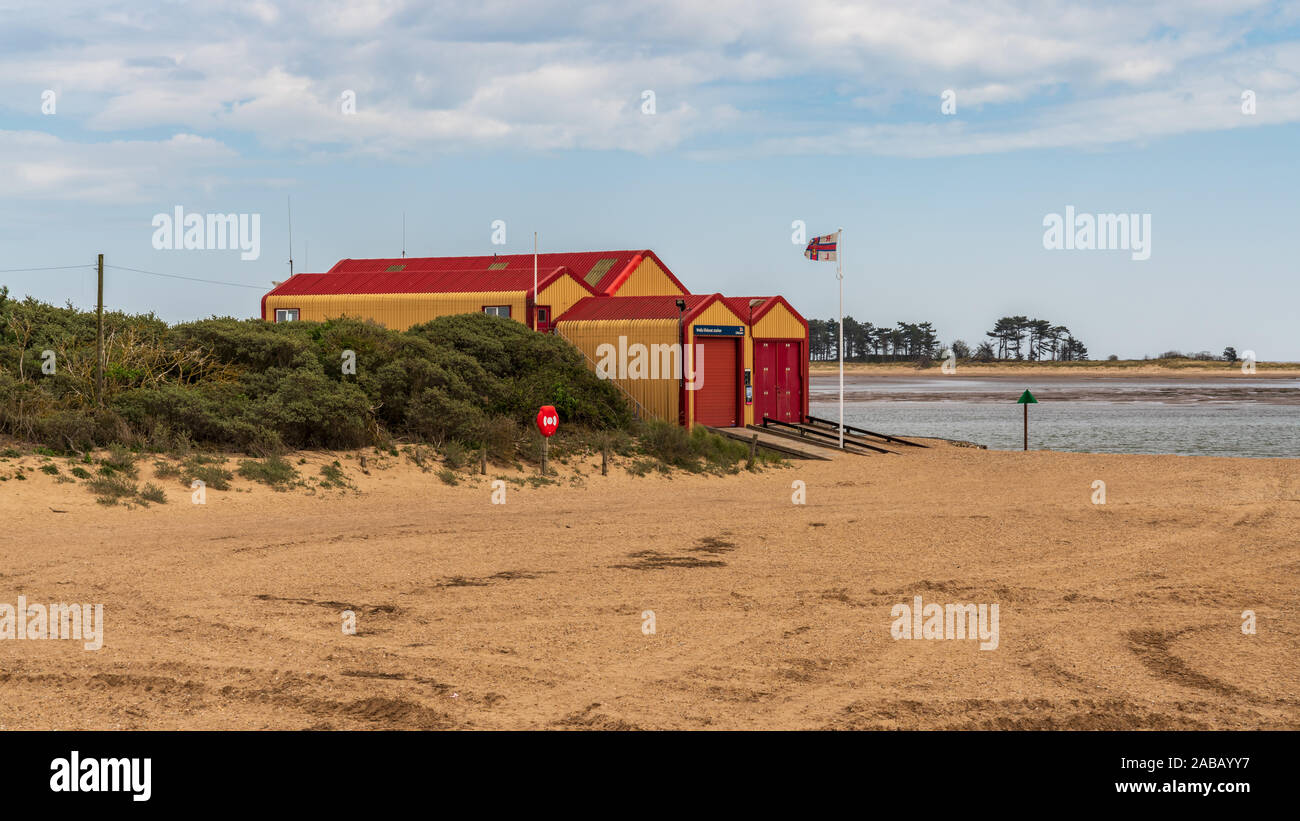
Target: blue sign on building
719 330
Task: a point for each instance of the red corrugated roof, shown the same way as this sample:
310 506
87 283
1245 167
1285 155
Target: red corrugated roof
599 269
740 305
633 307
378 280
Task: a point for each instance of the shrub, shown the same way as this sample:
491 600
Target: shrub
153 493
501 438
211 475
264 387
119 460
668 443
454 455
435 416
697 451
332 476
273 471
110 489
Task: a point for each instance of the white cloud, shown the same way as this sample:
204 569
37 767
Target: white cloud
41 166
564 75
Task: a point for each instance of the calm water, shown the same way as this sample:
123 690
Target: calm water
1215 418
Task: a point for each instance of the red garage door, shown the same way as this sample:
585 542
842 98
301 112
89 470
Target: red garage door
789 381
765 380
716 401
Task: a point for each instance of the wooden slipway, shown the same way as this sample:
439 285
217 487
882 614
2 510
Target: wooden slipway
812 435
806 436
771 441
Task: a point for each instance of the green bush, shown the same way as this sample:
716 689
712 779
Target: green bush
119 460
273 471
212 475
454 455
668 443
110 489
332 476
501 438
264 387
153 493
697 451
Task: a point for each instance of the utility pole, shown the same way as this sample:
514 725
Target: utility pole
99 335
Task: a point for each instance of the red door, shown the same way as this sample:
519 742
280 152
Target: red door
716 399
544 318
789 381
765 381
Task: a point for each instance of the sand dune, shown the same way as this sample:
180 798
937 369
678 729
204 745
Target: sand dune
767 614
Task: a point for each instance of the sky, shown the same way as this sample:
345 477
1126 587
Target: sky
940 136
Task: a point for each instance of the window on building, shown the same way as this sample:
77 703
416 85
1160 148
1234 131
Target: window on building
541 314
497 310
286 314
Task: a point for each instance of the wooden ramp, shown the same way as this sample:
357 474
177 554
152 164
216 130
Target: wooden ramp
863 433
769 440
811 435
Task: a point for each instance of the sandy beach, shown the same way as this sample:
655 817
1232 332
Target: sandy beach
767 614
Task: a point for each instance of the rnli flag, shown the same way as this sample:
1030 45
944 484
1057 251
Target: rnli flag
823 248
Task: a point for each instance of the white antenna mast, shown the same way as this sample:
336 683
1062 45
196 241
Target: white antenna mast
403 235
290 201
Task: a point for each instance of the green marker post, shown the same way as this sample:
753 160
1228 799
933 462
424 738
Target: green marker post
1027 399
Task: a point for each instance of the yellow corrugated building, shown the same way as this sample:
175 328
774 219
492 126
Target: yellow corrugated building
677 356
693 346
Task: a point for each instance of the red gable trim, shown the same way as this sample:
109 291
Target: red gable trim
627 272
623 275
545 280
740 306
772 302
699 309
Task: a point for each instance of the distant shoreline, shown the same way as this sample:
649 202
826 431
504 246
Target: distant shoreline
1129 369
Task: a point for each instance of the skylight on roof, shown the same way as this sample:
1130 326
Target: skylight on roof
497 266
598 270
392 269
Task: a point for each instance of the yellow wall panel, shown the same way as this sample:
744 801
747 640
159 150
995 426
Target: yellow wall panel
779 323
561 294
658 397
648 279
395 311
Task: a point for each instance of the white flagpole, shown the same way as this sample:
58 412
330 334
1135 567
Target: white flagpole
534 280
839 274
